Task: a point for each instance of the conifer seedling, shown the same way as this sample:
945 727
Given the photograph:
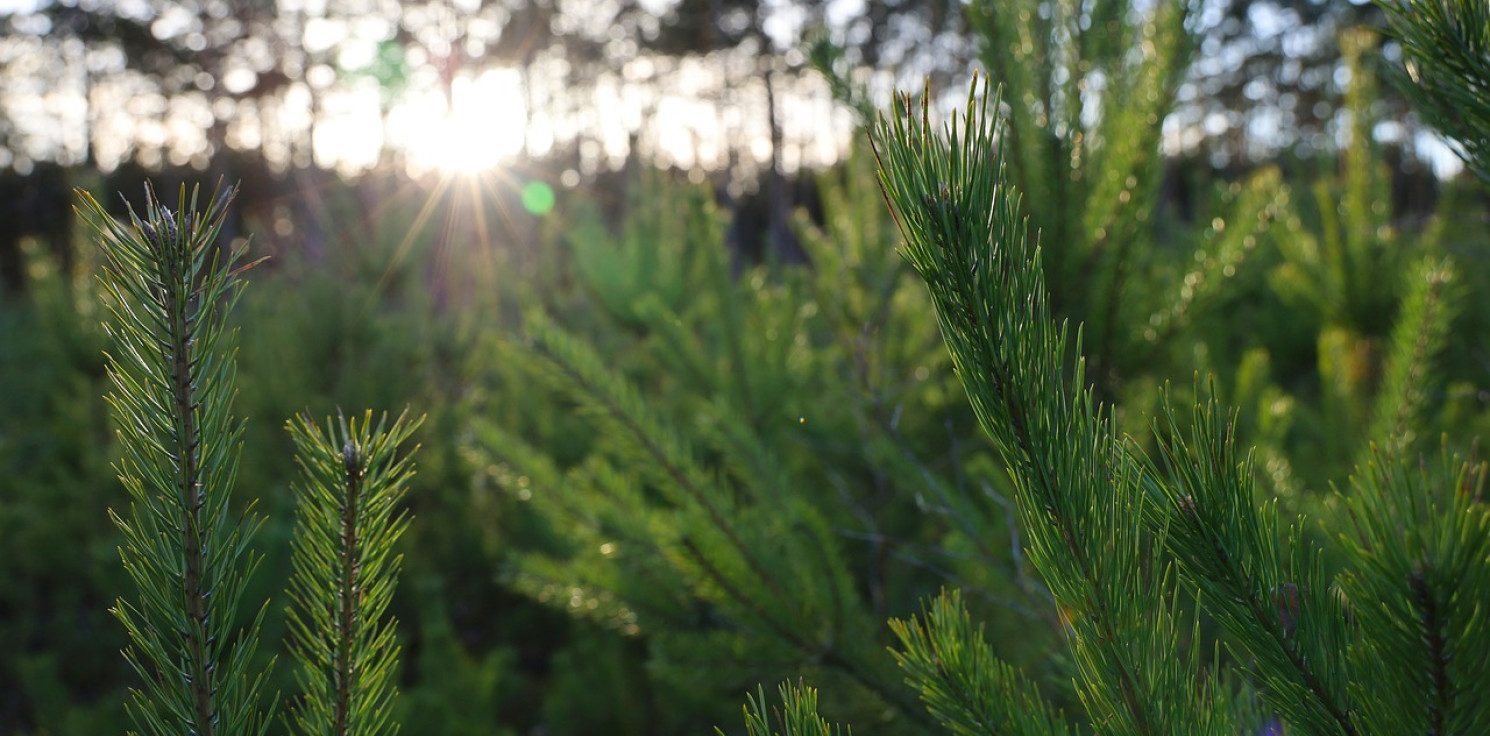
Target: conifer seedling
344 572
168 287
1390 638
185 550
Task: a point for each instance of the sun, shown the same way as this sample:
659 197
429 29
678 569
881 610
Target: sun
483 127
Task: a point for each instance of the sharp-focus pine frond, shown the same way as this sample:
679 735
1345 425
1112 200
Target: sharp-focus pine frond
1079 490
962 683
1275 602
797 715
1446 50
344 572
1419 544
168 286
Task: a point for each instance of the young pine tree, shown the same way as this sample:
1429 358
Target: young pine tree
185 550
169 289
1392 642
344 572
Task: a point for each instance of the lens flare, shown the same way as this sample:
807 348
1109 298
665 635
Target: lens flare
538 197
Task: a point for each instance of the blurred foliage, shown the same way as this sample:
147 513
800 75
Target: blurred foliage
63 672
750 494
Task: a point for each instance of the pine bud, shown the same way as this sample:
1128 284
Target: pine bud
1186 506
352 457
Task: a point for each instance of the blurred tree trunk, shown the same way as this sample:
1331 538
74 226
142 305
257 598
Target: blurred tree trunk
779 236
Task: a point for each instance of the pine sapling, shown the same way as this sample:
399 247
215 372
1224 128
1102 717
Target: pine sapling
185 549
344 572
169 288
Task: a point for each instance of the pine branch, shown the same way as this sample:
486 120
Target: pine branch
1078 488
173 384
1423 324
1418 579
760 552
344 572
662 449
797 717
1286 623
964 686
1446 52
1226 249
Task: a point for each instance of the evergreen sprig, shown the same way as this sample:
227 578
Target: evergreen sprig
1422 330
1446 52
1079 489
964 686
1275 601
1392 644
168 288
344 572
1417 585
796 717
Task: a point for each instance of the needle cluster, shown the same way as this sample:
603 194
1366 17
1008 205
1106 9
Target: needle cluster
1446 72
1392 641
344 571
167 288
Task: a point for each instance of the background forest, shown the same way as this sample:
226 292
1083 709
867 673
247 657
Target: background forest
691 427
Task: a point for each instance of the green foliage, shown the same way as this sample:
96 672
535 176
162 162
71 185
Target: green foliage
708 562
463 692
1423 326
677 382
344 536
964 686
1419 554
733 473
1078 488
1368 649
185 551
797 716
1446 49
1378 305
1281 614
58 551
627 273
759 471
168 289
1087 86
